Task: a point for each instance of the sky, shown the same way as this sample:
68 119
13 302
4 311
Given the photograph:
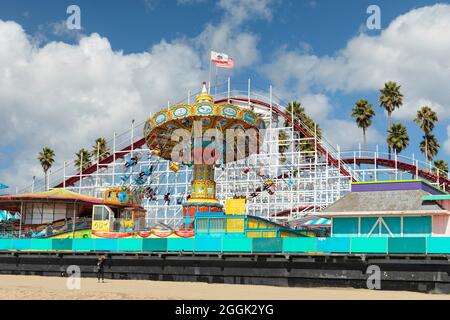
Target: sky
64 88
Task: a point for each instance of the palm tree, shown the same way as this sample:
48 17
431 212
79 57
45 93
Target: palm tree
283 140
441 168
429 146
398 138
296 111
46 157
426 119
390 99
100 148
83 160
363 112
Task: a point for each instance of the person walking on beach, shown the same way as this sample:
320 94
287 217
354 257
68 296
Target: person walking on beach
101 268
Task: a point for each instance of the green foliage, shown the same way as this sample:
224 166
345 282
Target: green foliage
46 157
441 167
398 138
83 159
100 148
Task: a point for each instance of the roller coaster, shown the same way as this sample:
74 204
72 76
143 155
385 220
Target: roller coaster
302 182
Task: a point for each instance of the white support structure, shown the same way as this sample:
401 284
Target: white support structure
305 179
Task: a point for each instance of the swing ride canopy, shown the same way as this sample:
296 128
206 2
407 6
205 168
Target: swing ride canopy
159 129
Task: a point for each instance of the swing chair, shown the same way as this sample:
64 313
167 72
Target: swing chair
180 199
174 166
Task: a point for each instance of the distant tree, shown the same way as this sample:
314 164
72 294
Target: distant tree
100 148
441 168
83 159
426 118
429 146
398 138
296 111
390 99
283 143
363 113
46 157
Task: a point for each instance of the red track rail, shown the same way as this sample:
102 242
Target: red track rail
297 127
120 154
429 176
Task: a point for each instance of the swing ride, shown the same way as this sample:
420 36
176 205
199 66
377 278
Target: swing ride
204 115
119 213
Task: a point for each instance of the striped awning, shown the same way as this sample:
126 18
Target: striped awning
5 216
320 222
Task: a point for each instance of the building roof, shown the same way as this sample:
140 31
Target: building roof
436 197
383 202
319 222
12 202
373 186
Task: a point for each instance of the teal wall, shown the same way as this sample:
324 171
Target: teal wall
381 245
345 227
412 227
416 226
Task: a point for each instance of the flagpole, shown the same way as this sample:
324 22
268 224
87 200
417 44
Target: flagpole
215 85
210 63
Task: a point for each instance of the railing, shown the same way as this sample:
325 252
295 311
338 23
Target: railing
220 244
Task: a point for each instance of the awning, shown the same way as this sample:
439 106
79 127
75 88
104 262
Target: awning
55 194
5 216
320 222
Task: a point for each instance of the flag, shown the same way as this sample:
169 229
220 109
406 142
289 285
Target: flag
222 60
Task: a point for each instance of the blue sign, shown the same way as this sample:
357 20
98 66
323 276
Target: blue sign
3 186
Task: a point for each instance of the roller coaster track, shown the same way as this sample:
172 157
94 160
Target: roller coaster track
414 170
342 164
139 143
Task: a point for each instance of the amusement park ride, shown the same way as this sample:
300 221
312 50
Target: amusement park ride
147 192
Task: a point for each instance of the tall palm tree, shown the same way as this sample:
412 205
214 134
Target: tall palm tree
429 146
363 112
296 111
46 157
426 119
390 99
83 160
100 148
398 138
441 168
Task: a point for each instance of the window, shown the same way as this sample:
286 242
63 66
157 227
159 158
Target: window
62 210
217 225
202 225
47 214
101 213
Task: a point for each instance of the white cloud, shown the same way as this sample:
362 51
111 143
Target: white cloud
227 36
65 96
241 10
347 135
413 51
151 4
316 106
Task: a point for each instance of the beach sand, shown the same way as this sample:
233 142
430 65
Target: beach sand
48 288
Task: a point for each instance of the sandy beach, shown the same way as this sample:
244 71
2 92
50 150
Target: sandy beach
48 288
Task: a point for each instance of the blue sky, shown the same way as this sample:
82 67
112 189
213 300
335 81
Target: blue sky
261 41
